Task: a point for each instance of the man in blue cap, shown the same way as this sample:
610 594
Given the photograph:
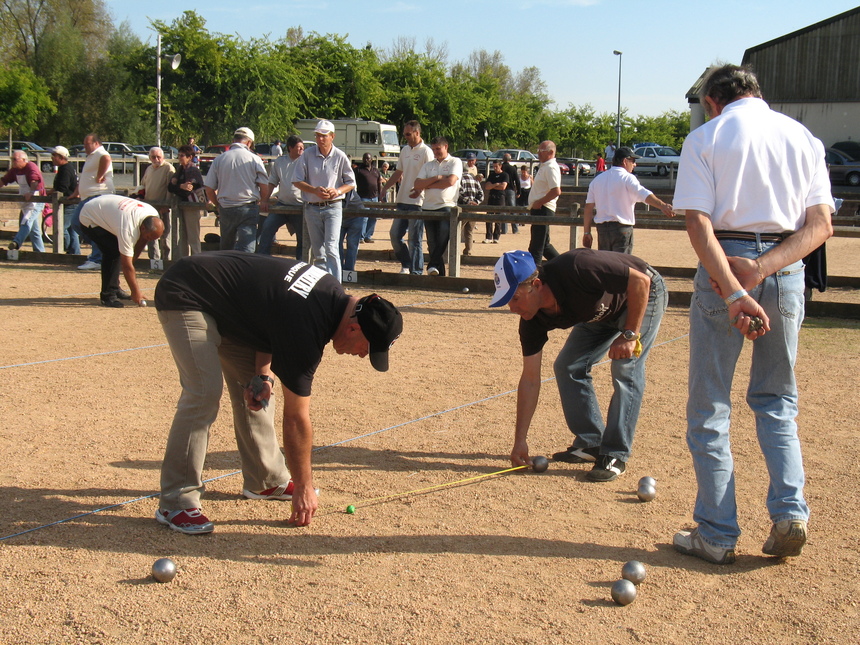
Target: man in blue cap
613 302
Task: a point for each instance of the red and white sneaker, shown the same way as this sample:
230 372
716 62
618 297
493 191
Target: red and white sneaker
190 521
282 492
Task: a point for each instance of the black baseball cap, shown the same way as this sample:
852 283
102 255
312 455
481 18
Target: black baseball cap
624 153
381 324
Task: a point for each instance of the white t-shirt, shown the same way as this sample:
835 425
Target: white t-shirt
614 194
436 198
752 169
87 184
547 177
411 162
119 215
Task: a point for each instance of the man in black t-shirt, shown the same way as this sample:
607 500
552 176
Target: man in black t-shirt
496 184
249 316
614 302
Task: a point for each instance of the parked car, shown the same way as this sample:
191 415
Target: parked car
843 168
657 159
850 148
563 167
481 161
34 150
125 153
573 162
169 151
519 158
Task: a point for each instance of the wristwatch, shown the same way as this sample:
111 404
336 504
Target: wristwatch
629 334
265 377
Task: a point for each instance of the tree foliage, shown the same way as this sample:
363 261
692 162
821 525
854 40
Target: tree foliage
24 99
102 78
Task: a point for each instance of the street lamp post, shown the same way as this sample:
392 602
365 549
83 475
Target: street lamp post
618 122
174 63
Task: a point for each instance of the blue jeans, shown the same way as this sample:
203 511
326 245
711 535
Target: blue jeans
350 230
771 395
438 234
370 222
324 233
31 226
274 221
239 227
411 257
96 255
586 345
510 200
71 239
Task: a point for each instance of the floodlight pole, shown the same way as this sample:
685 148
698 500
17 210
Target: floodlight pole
173 65
618 122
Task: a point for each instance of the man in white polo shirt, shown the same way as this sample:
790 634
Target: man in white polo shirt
614 194
413 156
754 188
440 181
324 175
120 227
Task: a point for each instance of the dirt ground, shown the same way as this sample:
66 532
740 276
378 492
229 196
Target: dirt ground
88 395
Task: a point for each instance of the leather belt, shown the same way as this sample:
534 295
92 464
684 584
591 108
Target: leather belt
321 204
746 235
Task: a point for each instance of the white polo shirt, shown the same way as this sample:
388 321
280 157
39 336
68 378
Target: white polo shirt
411 162
615 193
436 198
119 215
752 169
547 177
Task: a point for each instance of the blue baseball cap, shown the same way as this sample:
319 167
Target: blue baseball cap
512 268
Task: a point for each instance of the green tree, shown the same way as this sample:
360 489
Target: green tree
24 100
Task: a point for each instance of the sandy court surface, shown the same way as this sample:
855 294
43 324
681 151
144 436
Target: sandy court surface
88 394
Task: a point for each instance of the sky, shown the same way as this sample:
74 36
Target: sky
665 45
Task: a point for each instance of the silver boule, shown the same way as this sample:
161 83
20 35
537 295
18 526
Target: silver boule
649 481
164 570
634 571
540 464
646 493
623 592
465 289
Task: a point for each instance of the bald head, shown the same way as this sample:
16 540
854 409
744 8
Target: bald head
546 150
19 158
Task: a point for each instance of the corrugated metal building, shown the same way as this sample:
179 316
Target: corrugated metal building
812 75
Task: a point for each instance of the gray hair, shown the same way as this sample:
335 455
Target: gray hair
727 83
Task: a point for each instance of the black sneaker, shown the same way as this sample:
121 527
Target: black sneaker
14 246
577 455
606 469
112 302
122 294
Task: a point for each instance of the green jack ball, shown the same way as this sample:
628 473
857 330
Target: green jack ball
350 509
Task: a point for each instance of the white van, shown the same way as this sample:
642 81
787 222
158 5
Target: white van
355 137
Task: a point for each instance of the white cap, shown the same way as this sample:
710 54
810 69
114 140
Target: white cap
324 127
63 151
245 132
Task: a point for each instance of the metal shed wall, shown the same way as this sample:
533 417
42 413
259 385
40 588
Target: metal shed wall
818 63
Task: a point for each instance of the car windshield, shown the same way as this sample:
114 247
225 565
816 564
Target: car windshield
668 152
389 138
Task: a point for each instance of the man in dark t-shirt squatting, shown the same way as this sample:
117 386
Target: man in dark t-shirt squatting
249 316
614 302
